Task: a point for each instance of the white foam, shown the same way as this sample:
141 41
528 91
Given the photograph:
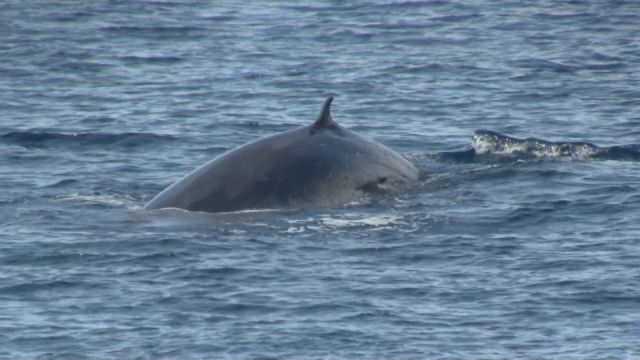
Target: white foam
374 221
343 222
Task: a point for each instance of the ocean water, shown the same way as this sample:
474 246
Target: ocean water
522 241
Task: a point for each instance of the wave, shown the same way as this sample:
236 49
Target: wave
152 60
160 32
37 139
492 146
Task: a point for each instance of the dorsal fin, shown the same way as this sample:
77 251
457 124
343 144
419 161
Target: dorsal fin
324 119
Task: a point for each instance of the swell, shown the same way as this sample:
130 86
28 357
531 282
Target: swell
160 32
37 139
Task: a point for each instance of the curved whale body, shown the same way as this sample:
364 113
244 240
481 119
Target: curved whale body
322 164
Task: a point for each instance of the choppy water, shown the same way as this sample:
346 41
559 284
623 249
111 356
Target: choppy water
510 248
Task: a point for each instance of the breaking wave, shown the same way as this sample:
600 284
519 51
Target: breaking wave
492 146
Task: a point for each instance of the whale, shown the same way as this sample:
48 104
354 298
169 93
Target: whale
319 165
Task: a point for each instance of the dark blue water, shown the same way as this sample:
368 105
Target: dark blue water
510 248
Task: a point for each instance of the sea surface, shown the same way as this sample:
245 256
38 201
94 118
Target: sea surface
522 241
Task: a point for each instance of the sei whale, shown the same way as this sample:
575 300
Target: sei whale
319 165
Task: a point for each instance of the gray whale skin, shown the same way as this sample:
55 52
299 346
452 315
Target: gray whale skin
320 165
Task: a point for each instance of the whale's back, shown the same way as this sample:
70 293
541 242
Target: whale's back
318 165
